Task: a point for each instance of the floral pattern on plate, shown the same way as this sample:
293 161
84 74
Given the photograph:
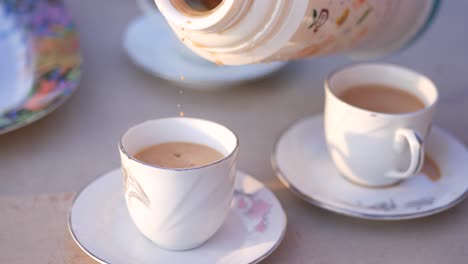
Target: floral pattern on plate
254 209
54 54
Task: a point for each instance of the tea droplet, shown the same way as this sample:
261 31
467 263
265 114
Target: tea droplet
218 62
431 169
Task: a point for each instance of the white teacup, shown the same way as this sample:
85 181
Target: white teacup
372 148
179 209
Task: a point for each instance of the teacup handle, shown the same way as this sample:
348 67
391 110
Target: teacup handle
416 147
147 7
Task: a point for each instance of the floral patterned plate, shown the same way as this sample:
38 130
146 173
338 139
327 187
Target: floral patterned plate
100 224
39 60
302 163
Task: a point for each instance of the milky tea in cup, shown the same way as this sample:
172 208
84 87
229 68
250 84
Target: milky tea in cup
179 176
178 155
377 119
381 98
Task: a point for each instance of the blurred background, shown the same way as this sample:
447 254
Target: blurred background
78 141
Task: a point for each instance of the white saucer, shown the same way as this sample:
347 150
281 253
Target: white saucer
100 224
302 163
152 45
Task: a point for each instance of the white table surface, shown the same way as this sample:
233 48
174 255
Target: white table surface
78 142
